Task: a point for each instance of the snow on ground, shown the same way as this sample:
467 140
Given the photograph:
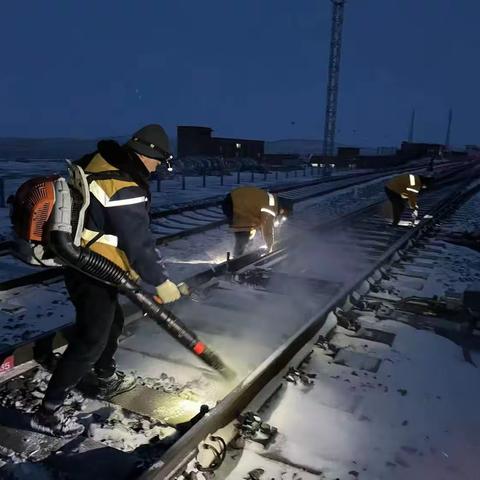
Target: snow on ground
27 312
105 422
466 218
459 268
415 417
196 253
235 322
408 420
168 193
184 258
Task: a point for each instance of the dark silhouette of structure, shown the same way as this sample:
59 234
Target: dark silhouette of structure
195 141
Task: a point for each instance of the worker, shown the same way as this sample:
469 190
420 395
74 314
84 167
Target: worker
117 227
405 188
436 155
250 208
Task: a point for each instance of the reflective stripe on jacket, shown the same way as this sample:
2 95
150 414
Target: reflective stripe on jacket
408 186
254 208
117 223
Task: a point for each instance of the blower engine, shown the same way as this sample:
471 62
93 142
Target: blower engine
32 206
32 209
48 215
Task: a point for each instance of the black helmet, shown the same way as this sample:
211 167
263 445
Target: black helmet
151 141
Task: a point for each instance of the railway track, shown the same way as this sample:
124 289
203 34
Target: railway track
182 222
304 286
377 245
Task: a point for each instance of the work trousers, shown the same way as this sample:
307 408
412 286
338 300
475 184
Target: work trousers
398 205
242 239
93 340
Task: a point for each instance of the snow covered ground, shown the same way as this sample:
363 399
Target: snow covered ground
185 257
23 316
415 418
244 335
376 411
166 194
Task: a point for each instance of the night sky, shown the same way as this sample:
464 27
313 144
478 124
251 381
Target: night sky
249 68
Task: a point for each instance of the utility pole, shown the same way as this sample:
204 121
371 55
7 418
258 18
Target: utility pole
412 127
449 127
333 77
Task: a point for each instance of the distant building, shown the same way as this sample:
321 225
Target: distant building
196 141
417 150
348 152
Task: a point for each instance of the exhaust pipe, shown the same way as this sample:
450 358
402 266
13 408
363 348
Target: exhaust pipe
100 268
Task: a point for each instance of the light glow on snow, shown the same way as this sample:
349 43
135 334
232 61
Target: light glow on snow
216 261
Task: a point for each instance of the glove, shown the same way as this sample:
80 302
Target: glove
168 292
415 214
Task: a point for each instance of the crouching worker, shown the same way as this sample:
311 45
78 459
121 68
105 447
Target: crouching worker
117 227
248 209
405 188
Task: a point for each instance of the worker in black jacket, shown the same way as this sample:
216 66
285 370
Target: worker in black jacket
117 227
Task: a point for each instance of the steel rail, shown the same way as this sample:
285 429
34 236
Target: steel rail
50 274
228 409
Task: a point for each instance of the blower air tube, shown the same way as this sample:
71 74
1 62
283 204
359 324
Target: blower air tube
99 267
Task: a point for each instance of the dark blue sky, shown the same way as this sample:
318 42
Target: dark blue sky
246 68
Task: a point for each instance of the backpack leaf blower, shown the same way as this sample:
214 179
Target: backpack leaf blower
48 214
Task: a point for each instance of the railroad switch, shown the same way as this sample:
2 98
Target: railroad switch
296 376
252 428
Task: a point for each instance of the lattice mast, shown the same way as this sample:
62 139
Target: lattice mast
333 77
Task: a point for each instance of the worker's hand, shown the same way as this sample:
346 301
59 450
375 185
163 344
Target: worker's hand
415 213
168 292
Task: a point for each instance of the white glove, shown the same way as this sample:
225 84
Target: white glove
168 292
415 213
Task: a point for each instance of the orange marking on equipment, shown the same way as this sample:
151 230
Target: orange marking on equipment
199 348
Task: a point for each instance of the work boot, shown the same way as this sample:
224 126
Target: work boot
116 384
60 422
104 388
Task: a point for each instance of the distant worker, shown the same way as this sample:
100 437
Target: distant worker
405 188
117 227
250 208
436 155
